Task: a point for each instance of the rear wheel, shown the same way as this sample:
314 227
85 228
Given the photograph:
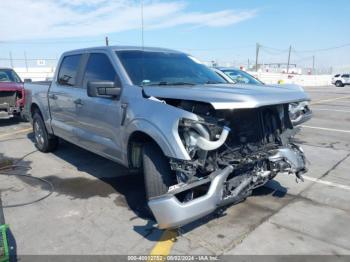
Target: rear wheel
43 140
157 173
338 84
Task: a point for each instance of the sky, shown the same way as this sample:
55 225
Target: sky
221 30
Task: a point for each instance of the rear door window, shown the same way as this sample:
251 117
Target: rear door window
346 76
67 75
99 68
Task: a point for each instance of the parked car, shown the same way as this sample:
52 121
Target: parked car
340 80
299 112
237 76
200 142
12 97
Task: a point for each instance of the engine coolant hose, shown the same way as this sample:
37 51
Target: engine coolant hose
208 145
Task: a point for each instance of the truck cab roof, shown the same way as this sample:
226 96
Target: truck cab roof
121 48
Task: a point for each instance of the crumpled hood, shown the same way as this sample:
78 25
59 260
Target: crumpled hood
10 86
228 96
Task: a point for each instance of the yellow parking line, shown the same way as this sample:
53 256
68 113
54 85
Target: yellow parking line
16 132
164 245
329 100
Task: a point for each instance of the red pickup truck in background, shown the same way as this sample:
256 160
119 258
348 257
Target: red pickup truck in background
12 96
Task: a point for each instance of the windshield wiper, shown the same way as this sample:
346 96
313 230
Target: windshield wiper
214 82
177 83
164 83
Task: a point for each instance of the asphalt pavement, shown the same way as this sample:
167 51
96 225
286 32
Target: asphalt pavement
96 207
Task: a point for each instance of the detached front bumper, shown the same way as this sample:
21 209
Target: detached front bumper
171 213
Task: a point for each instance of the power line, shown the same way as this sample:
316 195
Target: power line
322 49
273 49
45 42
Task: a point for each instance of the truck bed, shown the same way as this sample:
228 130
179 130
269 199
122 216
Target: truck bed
36 92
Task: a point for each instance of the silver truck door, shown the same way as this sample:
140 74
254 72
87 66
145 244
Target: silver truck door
99 119
62 94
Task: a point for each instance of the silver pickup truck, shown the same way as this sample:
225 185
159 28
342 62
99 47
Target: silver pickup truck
200 142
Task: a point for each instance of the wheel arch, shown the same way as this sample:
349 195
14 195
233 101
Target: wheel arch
168 141
134 146
35 108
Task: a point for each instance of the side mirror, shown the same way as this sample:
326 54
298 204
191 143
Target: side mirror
102 89
28 80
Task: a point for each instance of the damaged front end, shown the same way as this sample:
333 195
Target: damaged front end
11 103
232 152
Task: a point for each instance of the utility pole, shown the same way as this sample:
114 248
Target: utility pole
11 60
107 41
313 64
290 50
257 56
25 60
142 25
248 64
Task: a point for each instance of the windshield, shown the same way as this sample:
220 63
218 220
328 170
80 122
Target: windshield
242 77
166 68
8 75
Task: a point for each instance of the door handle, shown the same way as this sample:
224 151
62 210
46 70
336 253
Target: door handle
78 102
53 96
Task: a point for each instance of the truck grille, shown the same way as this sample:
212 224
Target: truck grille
259 125
8 98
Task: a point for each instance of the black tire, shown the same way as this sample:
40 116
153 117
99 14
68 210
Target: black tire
43 140
157 173
339 84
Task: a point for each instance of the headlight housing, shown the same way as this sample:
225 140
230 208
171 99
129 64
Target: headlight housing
299 112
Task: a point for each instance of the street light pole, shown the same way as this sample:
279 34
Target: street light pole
257 56
290 50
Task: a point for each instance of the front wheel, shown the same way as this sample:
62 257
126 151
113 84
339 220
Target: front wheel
338 84
156 168
43 140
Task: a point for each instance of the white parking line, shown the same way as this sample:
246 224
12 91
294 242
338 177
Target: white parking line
327 129
328 183
331 110
329 100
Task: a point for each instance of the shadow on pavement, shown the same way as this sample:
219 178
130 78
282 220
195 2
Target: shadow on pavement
113 178
11 121
274 188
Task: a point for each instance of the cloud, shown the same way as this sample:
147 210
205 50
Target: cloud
38 19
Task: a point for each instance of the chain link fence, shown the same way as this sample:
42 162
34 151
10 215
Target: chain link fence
27 62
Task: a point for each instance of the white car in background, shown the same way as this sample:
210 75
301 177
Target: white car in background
298 112
340 80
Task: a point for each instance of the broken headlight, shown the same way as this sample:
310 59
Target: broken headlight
299 112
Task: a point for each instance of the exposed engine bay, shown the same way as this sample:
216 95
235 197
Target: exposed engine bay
256 143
